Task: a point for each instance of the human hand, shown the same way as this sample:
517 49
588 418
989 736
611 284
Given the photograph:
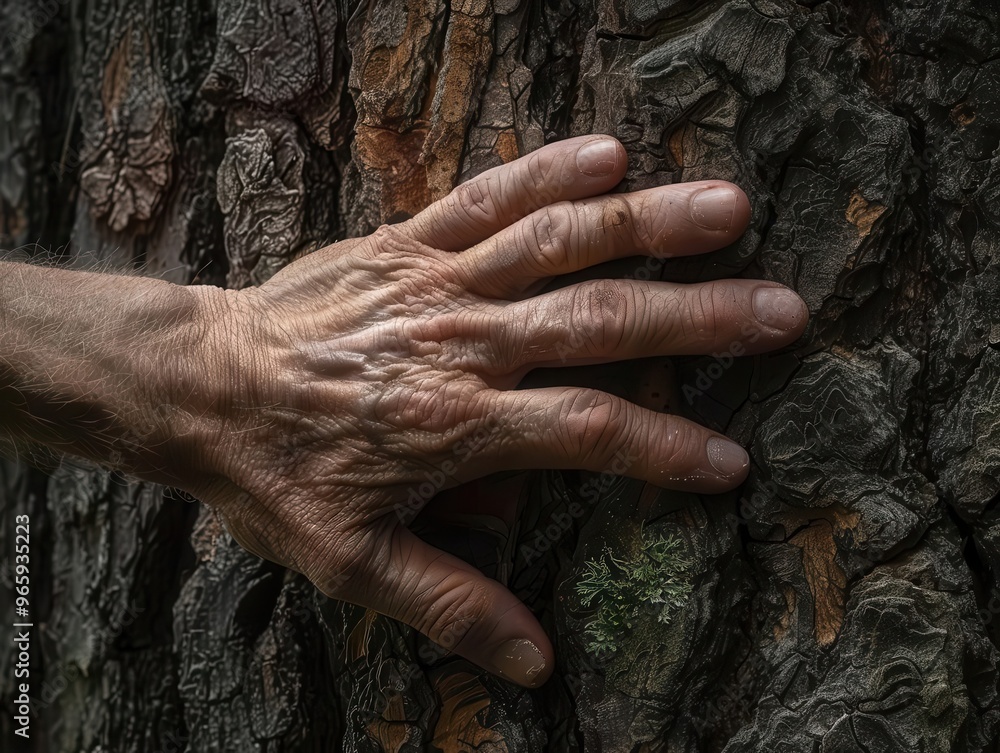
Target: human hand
324 397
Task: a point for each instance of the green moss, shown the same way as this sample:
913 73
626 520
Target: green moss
655 578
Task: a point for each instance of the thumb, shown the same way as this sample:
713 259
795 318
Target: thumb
457 607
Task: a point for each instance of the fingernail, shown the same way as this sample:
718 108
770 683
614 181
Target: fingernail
728 458
519 661
780 308
598 158
713 208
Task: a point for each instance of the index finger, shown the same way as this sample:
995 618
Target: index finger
566 170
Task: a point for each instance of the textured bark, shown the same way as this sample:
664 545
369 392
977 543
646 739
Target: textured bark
845 600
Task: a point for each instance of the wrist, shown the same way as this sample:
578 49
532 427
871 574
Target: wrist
157 356
214 375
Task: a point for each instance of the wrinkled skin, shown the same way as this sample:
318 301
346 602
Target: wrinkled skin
350 378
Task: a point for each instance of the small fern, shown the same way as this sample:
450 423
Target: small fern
619 590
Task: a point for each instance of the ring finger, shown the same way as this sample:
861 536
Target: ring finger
612 320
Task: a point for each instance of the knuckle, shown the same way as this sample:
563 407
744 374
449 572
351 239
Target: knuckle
703 309
408 408
394 248
680 447
656 223
537 168
458 604
474 200
390 237
722 303
535 180
506 342
432 415
593 420
407 266
547 234
601 308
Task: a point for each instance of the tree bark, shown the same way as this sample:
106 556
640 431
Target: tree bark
844 600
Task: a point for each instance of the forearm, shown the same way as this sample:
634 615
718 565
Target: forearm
82 357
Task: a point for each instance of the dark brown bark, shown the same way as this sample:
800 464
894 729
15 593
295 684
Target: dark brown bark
845 600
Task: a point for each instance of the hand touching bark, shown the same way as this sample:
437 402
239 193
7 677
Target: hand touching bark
307 410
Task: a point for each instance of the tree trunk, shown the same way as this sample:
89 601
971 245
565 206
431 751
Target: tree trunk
845 600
